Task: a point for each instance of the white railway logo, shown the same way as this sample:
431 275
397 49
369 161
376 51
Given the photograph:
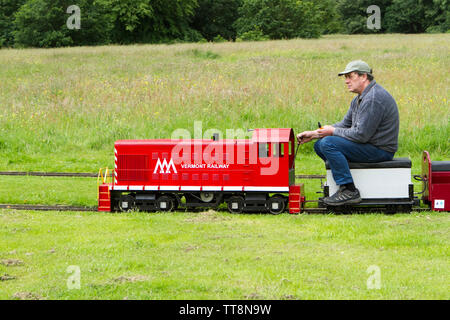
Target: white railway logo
164 166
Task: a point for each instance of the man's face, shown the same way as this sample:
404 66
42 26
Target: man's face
355 82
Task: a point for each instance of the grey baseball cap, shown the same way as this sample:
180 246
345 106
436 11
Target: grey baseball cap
357 65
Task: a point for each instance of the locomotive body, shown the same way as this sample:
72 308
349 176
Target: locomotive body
254 174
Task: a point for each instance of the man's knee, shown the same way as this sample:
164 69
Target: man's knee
317 146
328 143
318 150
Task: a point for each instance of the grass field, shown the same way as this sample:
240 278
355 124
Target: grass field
215 255
62 110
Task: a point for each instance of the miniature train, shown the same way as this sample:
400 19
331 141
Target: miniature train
253 175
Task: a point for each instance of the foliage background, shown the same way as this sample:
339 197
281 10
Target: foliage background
42 23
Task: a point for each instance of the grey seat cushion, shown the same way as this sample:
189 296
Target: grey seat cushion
437 166
394 163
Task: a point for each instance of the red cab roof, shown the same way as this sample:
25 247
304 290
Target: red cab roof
278 135
273 135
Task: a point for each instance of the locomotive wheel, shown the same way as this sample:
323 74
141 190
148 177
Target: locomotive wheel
127 202
207 196
276 204
164 203
235 204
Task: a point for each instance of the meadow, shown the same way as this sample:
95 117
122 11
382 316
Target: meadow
62 109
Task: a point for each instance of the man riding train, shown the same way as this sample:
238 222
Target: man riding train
368 132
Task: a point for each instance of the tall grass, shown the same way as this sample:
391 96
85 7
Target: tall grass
62 109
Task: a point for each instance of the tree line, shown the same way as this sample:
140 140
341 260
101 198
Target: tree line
55 23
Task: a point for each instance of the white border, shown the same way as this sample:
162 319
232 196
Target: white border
199 188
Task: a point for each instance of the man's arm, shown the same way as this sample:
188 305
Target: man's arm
367 122
347 121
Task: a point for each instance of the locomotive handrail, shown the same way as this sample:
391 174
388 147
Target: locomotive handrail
295 156
104 178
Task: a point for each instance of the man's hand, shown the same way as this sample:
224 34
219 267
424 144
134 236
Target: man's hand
307 136
325 131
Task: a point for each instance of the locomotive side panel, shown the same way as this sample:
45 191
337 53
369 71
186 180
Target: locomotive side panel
145 164
248 175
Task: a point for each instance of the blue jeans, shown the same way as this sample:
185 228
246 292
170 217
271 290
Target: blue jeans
339 151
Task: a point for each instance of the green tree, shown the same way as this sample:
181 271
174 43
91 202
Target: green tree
43 23
7 10
329 15
216 18
151 20
416 16
281 19
440 14
402 16
354 15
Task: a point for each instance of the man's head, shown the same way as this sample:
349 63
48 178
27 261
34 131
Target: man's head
358 75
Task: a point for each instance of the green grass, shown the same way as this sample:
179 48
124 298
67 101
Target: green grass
48 190
62 110
216 255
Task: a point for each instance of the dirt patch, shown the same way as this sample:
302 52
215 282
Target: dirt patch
253 296
187 249
137 278
11 262
7 277
27 296
207 216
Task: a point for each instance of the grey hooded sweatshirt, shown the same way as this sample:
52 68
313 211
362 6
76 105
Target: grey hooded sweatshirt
372 118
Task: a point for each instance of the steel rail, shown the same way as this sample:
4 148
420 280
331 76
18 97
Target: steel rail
49 174
310 176
43 207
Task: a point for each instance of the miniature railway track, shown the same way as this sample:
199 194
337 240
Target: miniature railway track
41 207
44 207
310 176
49 174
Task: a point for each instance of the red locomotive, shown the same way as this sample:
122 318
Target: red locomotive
256 174
252 175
